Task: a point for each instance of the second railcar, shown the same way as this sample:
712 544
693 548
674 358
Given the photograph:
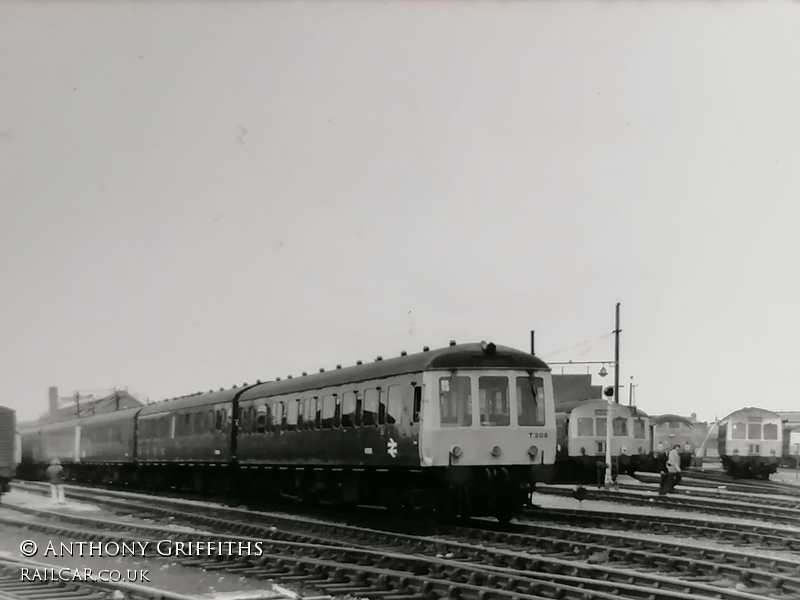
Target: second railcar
582 440
670 431
750 442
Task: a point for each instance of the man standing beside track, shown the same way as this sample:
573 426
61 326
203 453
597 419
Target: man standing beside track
55 477
673 469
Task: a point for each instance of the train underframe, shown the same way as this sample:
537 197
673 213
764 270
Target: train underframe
591 469
750 467
451 492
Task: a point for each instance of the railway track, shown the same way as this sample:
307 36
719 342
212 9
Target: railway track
697 479
774 487
750 497
729 508
739 534
555 550
14 587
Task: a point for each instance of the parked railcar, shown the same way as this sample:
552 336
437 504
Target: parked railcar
750 442
582 441
471 427
8 443
672 430
468 429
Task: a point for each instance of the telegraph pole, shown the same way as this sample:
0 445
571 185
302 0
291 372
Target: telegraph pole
616 357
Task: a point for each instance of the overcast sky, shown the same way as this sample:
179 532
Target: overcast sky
194 195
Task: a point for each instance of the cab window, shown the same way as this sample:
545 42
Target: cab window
739 431
455 401
585 426
620 426
530 399
754 431
638 429
770 431
600 426
493 394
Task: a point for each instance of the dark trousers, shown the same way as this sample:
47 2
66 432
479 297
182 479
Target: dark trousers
668 482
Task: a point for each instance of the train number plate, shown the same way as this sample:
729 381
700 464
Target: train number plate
535 435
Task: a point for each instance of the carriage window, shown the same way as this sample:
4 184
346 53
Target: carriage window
620 426
530 400
398 395
337 413
359 407
770 431
370 413
291 415
417 403
210 420
224 419
600 426
261 419
328 411
284 417
585 426
251 419
300 413
754 431
493 393
455 401
348 409
311 413
381 407
739 431
638 429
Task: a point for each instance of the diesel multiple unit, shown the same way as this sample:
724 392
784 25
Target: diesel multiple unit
465 429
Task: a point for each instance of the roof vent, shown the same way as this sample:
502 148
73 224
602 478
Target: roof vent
322 370
277 379
379 357
221 389
403 353
304 373
338 366
234 387
358 362
489 348
452 342
258 381
289 377
244 384
425 349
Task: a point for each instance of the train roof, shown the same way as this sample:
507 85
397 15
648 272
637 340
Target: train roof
659 419
5 409
101 418
192 401
752 411
459 356
591 405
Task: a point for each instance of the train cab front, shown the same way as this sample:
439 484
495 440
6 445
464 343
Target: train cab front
490 435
